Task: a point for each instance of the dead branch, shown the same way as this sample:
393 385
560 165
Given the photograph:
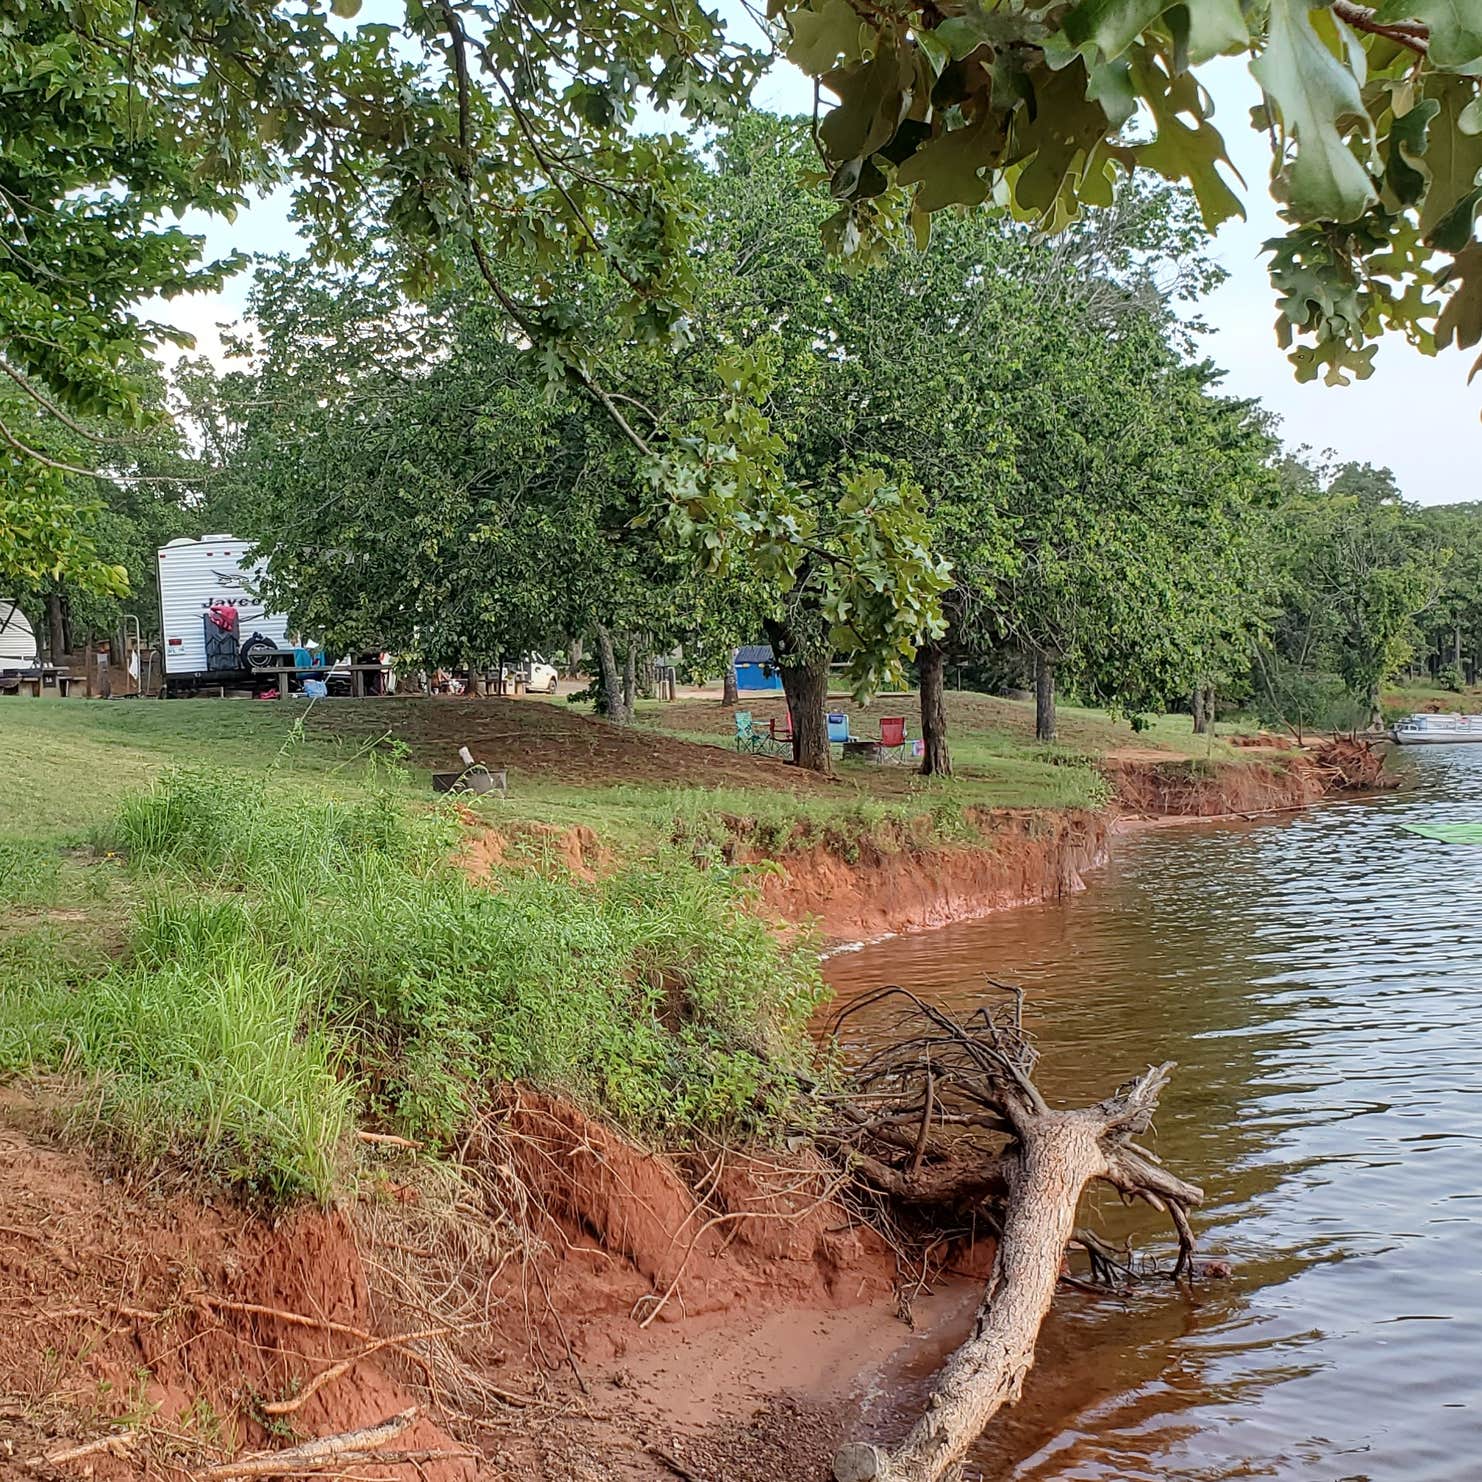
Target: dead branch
339 1369
387 1140
367 1444
1008 1150
118 1444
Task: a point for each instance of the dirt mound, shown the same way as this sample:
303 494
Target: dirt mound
156 1315
197 1330
765 1231
1213 789
538 739
483 849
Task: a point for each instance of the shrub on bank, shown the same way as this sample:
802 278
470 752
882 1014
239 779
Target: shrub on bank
295 963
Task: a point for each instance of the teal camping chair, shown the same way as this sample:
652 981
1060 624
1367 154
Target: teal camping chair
748 738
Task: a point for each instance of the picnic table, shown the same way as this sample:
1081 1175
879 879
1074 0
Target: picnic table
36 680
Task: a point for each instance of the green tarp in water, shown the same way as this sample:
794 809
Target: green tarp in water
1447 833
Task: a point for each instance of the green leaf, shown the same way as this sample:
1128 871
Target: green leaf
870 105
1113 25
1184 151
1461 320
1406 149
937 53
1453 160
822 37
1313 92
1111 86
1216 27
346 9
1455 25
947 170
1062 131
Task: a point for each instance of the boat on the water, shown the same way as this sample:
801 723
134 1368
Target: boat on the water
1437 730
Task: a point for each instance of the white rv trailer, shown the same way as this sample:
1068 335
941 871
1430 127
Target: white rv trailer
195 576
17 641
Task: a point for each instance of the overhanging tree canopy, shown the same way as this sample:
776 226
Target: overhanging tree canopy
506 131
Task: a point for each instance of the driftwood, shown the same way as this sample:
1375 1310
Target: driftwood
948 1119
315 1455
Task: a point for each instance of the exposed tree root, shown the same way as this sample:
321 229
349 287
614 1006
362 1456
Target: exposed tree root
948 1116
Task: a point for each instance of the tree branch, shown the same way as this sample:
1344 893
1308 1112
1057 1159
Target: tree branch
1412 34
48 405
458 52
7 436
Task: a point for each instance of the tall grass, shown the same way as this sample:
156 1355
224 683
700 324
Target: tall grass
216 1061
295 963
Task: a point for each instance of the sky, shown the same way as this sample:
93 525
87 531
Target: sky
1416 413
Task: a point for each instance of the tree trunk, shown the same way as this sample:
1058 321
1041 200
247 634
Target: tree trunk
1062 1155
932 662
958 1069
630 678
806 688
1044 699
730 695
1456 649
56 636
805 683
610 684
1203 708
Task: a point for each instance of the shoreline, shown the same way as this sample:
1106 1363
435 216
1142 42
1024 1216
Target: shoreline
646 1331
1023 856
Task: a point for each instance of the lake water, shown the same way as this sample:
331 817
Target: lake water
1319 982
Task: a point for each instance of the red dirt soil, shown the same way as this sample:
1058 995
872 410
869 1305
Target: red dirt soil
1024 856
553 742
1167 789
116 1313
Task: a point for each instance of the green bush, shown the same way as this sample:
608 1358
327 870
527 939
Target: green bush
295 963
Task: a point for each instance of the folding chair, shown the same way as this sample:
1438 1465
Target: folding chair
748 738
892 741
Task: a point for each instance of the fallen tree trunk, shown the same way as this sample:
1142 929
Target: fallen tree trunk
976 1076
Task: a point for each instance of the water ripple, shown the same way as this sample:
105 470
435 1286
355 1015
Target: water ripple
1320 984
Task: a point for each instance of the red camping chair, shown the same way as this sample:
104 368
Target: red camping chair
780 737
892 737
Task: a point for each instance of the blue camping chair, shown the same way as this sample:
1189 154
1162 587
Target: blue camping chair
838 729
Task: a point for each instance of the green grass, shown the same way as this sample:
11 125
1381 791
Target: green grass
295 964
69 763
1402 700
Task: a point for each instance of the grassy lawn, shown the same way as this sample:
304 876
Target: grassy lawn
69 764
1401 700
